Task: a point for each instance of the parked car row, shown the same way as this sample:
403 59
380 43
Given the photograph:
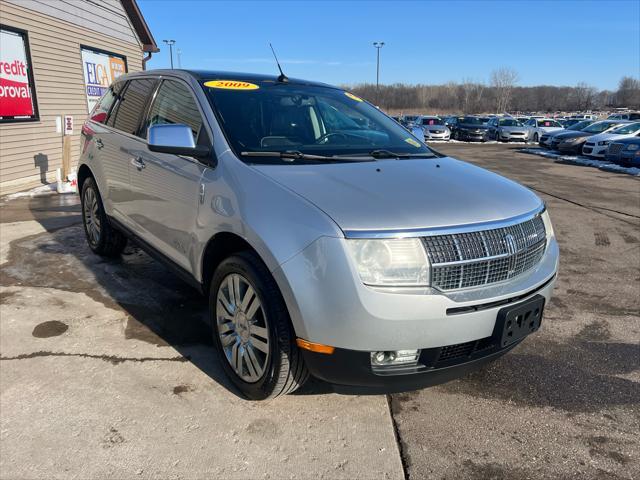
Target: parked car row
593 138
578 134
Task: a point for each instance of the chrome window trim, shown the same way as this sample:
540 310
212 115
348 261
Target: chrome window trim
427 232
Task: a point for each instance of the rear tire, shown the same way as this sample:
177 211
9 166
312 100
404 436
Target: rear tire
102 238
256 343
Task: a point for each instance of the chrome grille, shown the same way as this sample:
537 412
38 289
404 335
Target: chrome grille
615 148
465 260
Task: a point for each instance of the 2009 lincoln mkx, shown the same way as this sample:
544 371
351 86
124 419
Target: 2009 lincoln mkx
328 239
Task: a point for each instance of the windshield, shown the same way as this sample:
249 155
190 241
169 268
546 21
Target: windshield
580 125
432 121
509 122
599 127
548 123
624 129
472 121
315 120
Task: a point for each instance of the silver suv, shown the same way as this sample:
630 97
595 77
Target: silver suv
328 240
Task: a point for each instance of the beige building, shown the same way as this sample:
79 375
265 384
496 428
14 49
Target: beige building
56 59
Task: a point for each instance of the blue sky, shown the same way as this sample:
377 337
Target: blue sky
546 42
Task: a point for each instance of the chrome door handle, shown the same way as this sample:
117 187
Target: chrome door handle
138 163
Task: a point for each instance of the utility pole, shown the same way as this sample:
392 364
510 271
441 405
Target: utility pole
378 46
171 43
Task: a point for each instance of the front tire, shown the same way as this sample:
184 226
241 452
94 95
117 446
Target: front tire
102 238
535 137
252 329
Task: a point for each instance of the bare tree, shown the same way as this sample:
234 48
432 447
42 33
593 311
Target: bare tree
584 96
471 95
503 80
628 94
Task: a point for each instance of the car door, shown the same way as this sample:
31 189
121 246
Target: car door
119 141
166 188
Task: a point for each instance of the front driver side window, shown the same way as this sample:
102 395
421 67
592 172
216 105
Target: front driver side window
174 103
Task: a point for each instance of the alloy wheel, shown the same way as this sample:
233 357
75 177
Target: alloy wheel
242 327
91 215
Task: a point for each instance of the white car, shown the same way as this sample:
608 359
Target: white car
597 145
536 127
431 128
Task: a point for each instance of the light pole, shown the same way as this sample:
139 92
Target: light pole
179 54
171 43
378 46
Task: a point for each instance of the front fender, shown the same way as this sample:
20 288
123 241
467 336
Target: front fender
275 221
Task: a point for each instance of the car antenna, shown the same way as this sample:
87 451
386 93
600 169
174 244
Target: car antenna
282 78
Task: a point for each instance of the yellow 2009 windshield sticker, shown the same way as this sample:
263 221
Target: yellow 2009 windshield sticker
231 85
413 142
353 97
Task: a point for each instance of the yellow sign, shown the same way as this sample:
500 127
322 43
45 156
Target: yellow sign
413 142
231 85
353 97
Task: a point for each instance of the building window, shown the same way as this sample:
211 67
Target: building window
17 88
100 69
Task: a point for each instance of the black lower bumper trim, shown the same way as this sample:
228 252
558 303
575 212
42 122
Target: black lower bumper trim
350 370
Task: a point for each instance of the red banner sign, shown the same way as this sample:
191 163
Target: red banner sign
16 87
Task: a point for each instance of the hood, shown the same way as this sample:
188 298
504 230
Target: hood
557 133
602 136
431 128
566 135
551 129
405 194
513 129
470 126
610 136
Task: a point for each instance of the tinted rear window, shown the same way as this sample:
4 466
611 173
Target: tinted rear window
472 121
432 121
131 106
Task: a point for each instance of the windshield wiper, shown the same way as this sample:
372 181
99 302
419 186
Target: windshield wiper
293 155
390 154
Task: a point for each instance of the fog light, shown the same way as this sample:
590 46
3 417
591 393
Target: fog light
397 357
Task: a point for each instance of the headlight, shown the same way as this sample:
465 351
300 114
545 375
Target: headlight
604 142
396 262
574 140
633 147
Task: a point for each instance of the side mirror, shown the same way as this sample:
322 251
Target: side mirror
175 138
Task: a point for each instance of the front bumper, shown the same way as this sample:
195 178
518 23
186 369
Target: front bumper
594 150
575 148
353 368
467 135
506 136
328 303
628 159
436 136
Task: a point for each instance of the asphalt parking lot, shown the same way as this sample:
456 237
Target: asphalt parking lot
106 368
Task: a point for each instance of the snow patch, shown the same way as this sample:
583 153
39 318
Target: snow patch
41 190
584 161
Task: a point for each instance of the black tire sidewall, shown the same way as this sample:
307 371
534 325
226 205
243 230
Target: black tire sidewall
90 183
280 336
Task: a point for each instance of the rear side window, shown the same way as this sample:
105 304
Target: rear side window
174 103
103 107
128 113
